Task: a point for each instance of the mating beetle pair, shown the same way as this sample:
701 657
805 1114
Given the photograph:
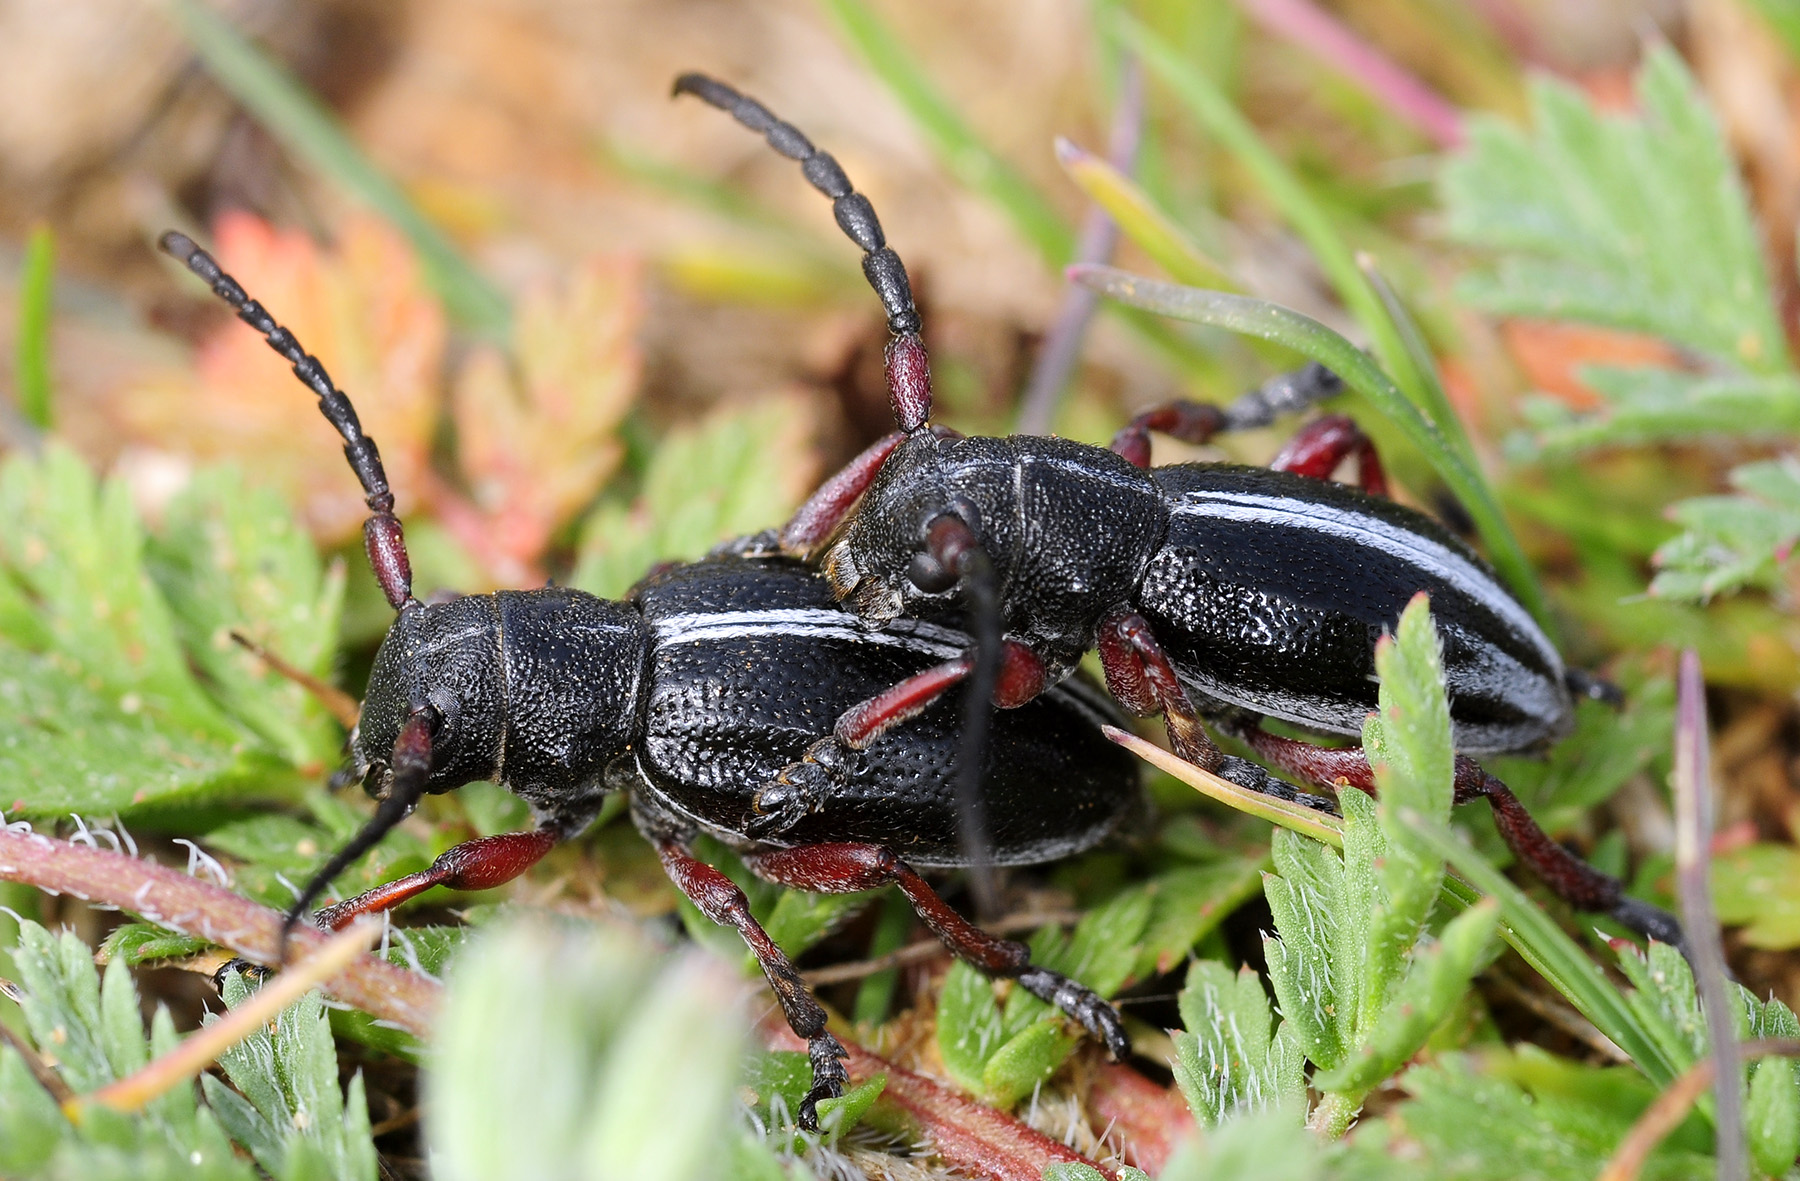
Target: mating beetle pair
1211 590
1218 590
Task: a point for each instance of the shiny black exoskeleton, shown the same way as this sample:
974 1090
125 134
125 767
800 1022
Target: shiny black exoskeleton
1210 590
689 695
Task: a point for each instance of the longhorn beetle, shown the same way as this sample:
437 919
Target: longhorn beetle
701 685
1214 589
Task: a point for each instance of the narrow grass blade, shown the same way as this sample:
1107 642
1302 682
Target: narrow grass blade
304 126
1320 826
1437 406
1553 954
1305 335
1224 122
1142 220
31 364
962 151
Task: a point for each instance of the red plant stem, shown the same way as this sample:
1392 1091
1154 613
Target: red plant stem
1323 35
971 1137
172 899
1147 1120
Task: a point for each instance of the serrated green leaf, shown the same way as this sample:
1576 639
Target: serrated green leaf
1438 979
1303 966
232 558
732 474
1410 750
1663 996
1636 223
1227 1061
1734 541
1647 405
1475 1127
289 1073
100 707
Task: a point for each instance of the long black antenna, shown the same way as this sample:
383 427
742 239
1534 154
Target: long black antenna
382 536
908 372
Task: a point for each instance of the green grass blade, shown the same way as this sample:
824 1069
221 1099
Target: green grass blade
306 128
31 363
1553 954
1139 218
1224 122
1305 335
1436 406
962 151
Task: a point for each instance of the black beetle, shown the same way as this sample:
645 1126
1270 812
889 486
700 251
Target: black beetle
1233 592
698 688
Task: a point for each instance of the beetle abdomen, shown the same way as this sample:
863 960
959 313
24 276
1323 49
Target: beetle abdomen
1272 589
734 697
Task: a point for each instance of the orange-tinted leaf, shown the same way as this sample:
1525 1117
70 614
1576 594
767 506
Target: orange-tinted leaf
362 309
1550 354
536 441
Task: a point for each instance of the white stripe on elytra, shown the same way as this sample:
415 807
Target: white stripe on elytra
1423 552
812 622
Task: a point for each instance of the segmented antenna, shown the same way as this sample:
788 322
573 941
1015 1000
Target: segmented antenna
908 367
383 538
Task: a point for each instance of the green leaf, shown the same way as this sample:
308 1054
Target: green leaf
1307 896
1305 335
1558 1125
1556 957
1758 886
1438 979
1637 223
633 1057
733 473
1188 904
295 117
31 349
1647 405
1264 1145
1227 1062
1734 541
232 558
969 1029
1409 747
296 1120
1772 1115
101 708
1024 1060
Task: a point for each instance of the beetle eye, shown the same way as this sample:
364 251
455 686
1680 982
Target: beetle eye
929 574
